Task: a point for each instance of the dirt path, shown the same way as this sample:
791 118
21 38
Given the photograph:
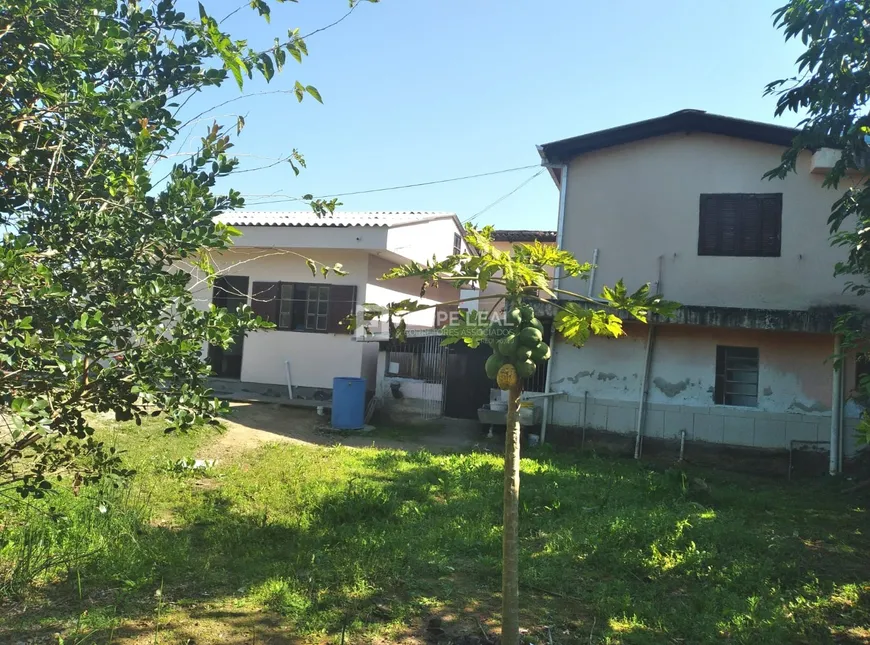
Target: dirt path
252 425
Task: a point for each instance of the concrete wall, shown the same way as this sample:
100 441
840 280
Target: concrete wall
639 202
369 369
603 385
315 359
410 408
419 242
383 292
327 238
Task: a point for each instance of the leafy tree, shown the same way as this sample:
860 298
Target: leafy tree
832 90
522 272
95 311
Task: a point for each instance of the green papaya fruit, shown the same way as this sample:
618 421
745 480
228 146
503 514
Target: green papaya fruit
507 346
541 352
523 353
530 337
513 316
525 368
534 322
493 363
494 329
527 312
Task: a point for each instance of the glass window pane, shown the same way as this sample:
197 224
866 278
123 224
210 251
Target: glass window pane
310 321
322 307
286 291
321 323
284 320
324 293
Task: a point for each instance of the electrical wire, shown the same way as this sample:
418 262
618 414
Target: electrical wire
504 197
425 183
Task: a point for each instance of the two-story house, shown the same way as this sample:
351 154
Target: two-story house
311 343
680 202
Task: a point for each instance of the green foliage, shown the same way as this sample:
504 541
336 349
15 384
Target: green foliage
98 258
379 540
524 274
831 89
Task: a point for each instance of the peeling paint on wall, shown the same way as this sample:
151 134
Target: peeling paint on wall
606 376
813 407
670 389
580 375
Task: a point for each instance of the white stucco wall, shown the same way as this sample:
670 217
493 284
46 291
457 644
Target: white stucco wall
419 242
327 238
602 382
793 374
315 359
384 292
639 202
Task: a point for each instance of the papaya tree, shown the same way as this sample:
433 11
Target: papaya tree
515 335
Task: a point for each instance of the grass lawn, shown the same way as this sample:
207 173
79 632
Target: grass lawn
292 543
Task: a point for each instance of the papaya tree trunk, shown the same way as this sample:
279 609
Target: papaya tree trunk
510 576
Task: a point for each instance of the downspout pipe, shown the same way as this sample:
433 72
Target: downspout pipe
591 289
836 409
641 411
560 229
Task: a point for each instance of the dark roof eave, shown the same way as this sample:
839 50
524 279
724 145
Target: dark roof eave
508 235
564 150
818 320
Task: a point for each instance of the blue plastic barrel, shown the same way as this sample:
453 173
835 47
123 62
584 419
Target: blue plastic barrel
348 403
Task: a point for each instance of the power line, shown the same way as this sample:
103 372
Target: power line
505 196
424 183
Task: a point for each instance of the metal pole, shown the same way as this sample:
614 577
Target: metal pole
641 412
836 409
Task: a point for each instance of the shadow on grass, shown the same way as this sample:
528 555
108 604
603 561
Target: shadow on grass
374 543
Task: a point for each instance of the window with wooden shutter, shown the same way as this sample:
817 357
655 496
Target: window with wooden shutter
736 376
740 224
264 300
304 307
342 304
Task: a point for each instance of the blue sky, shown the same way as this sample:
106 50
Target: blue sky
421 90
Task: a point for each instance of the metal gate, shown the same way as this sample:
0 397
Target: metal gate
435 358
424 360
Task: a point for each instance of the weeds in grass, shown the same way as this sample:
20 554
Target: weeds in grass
65 533
282 595
365 541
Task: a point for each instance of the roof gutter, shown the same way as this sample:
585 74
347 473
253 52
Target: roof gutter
553 169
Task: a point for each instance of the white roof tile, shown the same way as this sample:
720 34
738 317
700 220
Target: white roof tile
347 218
